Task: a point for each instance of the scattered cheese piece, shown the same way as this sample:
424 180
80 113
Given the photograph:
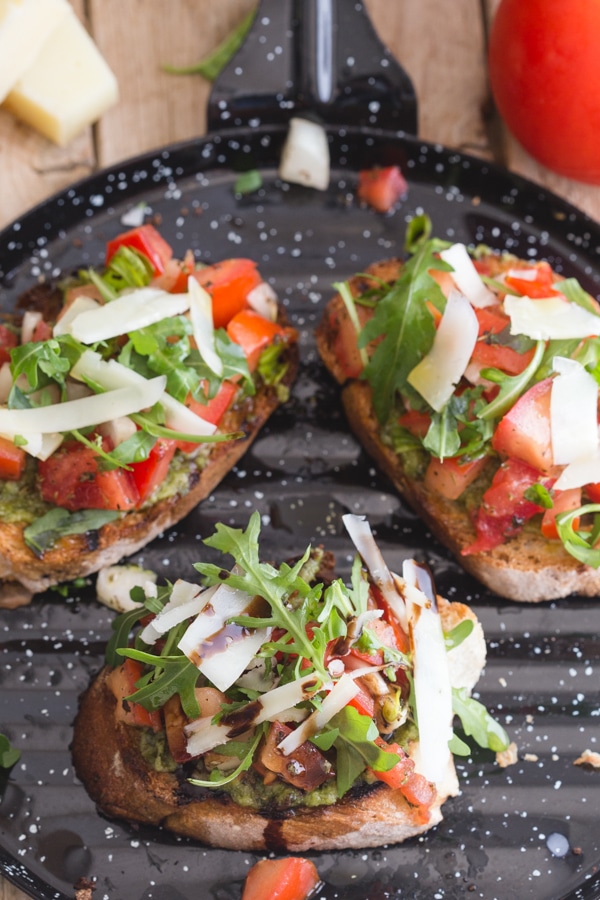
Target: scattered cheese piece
66 86
305 155
550 319
507 757
573 412
24 28
466 277
129 312
115 583
440 370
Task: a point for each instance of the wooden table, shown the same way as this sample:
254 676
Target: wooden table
447 65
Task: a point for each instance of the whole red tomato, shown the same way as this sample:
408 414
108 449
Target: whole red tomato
544 67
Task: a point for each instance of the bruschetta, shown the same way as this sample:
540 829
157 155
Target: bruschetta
126 395
471 377
264 710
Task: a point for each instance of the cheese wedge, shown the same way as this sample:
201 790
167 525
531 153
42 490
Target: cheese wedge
68 86
24 28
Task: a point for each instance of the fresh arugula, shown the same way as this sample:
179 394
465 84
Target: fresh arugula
45 531
477 722
243 751
210 66
42 363
9 755
511 386
580 543
402 325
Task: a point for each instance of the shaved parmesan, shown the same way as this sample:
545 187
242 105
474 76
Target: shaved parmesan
362 537
186 600
433 692
129 312
573 412
31 319
203 326
343 691
111 374
205 736
305 155
436 375
550 319
225 603
38 444
466 277
224 668
585 470
263 300
80 304
75 414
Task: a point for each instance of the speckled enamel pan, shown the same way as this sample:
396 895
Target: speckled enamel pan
529 831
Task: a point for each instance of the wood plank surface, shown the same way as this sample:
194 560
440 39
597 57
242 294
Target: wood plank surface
447 65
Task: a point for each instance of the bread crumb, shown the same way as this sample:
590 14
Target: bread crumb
531 757
507 757
588 758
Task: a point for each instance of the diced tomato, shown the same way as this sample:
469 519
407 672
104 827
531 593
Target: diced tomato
363 702
563 501
228 282
122 682
415 788
253 333
536 288
290 878
174 278
501 357
385 633
147 240
151 472
491 319
524 432
451 476
42 331
593 492
416 422
12 460
345 338
504 507
8 340
73 479
381 188
211 411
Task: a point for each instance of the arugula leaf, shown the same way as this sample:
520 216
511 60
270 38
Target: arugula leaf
9 755
245 752
215 62
172 675
45 531
122 625
580 544
477 722
511 387
402 325
458 634
44 362
574 292
248 182
356 749
539 495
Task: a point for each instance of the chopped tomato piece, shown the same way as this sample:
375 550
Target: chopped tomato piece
385 634
147 240
344 336
402 777
174 278
504 506
291 878
211 411
416 422
12 460
228 282
451 476
363 702
381 188
151 472
253 333
498 356
72 478
8 340
524 432
41 332
536 288
564 501
122 682
593 492
491 320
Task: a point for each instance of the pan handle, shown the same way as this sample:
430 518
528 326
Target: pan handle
317 58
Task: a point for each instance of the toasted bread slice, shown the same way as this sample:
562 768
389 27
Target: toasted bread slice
24 574
107 759
527 567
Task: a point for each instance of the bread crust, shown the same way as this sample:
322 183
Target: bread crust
24 574
108 761
526 567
